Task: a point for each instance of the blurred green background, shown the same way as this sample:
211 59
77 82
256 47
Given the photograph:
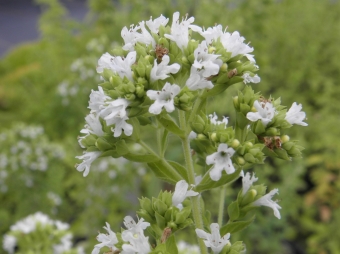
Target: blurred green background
46 85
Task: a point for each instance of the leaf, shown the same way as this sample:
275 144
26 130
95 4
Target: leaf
237 226
233 211
170 125
171 245
160 171
207 183
141 157
180 169
164 141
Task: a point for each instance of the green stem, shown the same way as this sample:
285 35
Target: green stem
197 106
166 164
221 206
195 201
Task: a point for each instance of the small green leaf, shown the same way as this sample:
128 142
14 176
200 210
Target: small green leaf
237 226
171 245
233 211
161 172
141 157
160 221
180 169
207 183
170 125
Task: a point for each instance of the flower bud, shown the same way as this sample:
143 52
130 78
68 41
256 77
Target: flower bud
224 67
249 197
240 161
214 137
235 143
211 50
236 102
284 139
201 136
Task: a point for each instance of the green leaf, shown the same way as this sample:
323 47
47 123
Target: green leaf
160 221
233 211
171 245
180 169
141 157
161 172
170 125
183 215
121 147
237 226
207 183
164 141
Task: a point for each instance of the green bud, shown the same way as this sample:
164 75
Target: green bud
235 143
248 144
160 206
236 102
164 42
103 145
140 91
224 67
146 205
201 137
211 50
214 137
249 197
240 161
115 80
172 225
284 139
272 131
249 158
185 60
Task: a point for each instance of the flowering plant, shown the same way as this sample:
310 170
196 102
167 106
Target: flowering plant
160 81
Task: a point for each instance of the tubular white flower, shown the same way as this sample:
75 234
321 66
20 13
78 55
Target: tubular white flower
213 119
146 37
29 223
97 99
161 71
114 109
249 79
211 34
266 200
156 23
247 182
213 240
181 193
197 81
120 125
234 43
134 234
88 158
207 63
295 115
221 160
117 64
164 98
180 31
265 112
108 240
93 126
130 37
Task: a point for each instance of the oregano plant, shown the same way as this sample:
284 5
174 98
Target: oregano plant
161 80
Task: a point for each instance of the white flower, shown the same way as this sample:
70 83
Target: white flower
146 37
207 63
137 244
97 99
164 98
180 31
161 71
88 158
181 193
192 135
295 115
120 125
249 79
265 112
156 23
247 182
29 223
197 81
117 64
65 245
9 243
211 34
213 240
61 225
133 227
108 240
234 43
266 200
185 248
134 234
93 126
213 120
221 160
130 37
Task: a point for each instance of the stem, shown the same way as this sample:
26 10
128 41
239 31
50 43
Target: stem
197 105
195 201
165 162
221 206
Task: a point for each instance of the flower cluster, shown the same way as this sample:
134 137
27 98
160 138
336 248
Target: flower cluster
32 227
146 79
